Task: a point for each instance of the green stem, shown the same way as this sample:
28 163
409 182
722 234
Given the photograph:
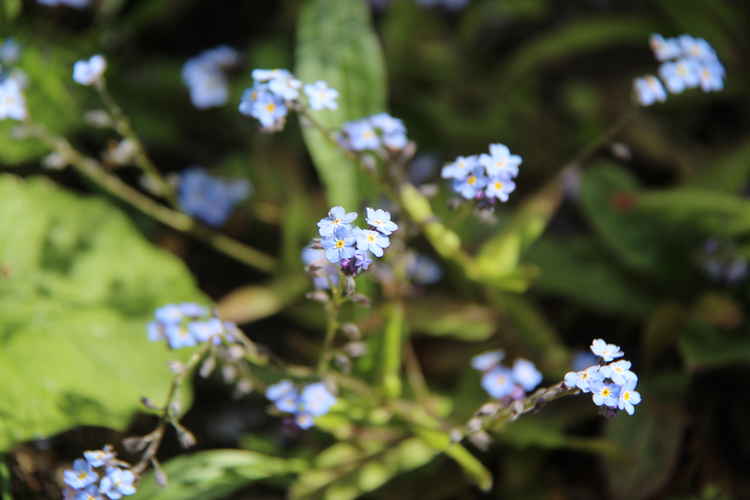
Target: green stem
94 171
392 349
125 129
333 307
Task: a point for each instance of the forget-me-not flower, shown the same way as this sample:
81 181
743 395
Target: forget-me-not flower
607 352
460 168
500 163
10 51
680 75
81 475
316 400
526 375
339 246
321 96
367 239
665 48
472 185
117 482
499 189
380 220
648 90
606 394
89 72
12 102
619 372
498 382
337 218
487 360
99 458
629 397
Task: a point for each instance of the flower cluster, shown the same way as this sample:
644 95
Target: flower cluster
373 132
485 177
188 324
500 381
350 247
612 385
208 198
78 4
12 102
113 479
312 401
205 79
91 71
276 91
687 62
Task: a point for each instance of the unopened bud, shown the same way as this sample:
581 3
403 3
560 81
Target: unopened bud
360 299
317 295
159 475
207 367
351 330
456 436
481 440
235 352
136 443
229 373
176 367
350 286
356 349
243 388
54 161
187 439
98 118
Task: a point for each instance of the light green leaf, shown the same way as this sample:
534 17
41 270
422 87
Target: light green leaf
213 474
473 468
336 44
446 317
9 9
345 471
81 283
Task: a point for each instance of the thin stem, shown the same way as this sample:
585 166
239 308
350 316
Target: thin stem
333 307
125 129
588 151
166 417
93 170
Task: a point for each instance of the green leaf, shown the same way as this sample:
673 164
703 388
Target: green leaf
9 9
547 433
81 283
345 471
501 255
447 317
48 98
336 43
729 174
579 269
608 196
704 346
393 339
251 303
213 474
441 441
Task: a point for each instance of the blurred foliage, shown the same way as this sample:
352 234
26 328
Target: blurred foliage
613 249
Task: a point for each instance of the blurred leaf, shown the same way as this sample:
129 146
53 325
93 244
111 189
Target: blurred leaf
213 474
662 330
48 97
5 480
578 269
577 37
448 317
501 255
704 346
713 212
545 432
393 339
608 198
73 315
345 471
649 447
9 9
441 441
336 43
730 173
251 303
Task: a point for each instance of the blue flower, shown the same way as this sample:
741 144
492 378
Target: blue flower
179 336
380 220
619 372
460 168
606 394
500 163
117 482
392 130
648 90
284 85
203 331
629 397
77 4
10 51
665 48
325 272
89 493
284 395
472 185
316 400
304 420
498 382
339 246
487 360
606 351
526 375
361 135
81 475
584 379
357 264
208 198
367 239
192 310
697 48
98 458
91 71
203 75
499 188
321 96
711 76
680 75
583 360
12 102
337 218
171 313
423 270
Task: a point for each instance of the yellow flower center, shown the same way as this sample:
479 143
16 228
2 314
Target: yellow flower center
498 185
336 222
605 392
626 395
340 244
270 107
471 180
83 475
370 238
501 163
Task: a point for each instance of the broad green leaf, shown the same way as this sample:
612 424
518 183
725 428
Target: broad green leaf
213 474
81 283
608 198
648 444
501 255
346 471
577 268
48 98
336 44
251 303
